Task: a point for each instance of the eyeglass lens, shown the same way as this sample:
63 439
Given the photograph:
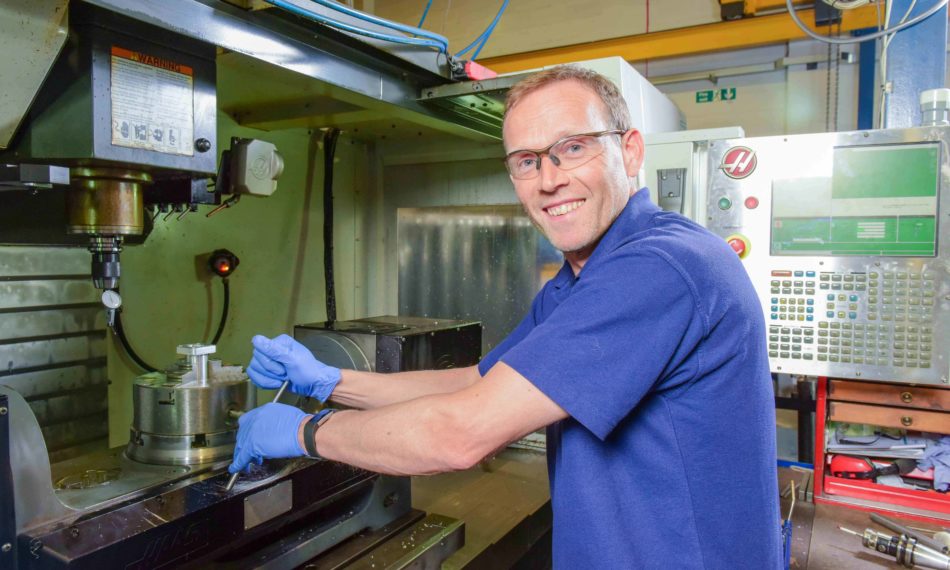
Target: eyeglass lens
565 154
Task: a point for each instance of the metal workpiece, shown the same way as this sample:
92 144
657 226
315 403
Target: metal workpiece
852 269
186 415
197 356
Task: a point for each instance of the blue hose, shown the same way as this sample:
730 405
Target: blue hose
424 14
383 22
346 27
490 29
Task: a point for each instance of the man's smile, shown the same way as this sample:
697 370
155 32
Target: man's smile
564 207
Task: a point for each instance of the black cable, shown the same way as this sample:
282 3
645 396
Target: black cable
224 310
329 149
120 334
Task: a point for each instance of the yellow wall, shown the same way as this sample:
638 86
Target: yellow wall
537 24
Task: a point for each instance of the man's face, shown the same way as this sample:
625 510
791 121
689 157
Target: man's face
572 208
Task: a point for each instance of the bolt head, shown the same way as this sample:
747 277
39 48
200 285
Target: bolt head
7 547
3 410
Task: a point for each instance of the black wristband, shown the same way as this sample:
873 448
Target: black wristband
310 431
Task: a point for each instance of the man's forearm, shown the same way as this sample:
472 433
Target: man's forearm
419 437
368 390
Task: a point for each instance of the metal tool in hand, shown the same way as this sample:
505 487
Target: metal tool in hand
234 477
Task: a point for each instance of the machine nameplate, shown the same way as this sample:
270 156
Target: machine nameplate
268 504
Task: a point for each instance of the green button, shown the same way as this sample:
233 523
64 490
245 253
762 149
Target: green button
725 203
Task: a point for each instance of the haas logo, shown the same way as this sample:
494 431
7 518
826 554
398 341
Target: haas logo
738 162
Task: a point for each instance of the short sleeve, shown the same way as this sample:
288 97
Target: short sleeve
629 326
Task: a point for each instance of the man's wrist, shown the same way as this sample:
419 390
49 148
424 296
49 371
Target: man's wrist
310 428
300 433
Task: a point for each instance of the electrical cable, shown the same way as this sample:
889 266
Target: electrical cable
119 332
490 29
343 9
329 150
483 37
321 19
859 39
424 14
224 310
885 45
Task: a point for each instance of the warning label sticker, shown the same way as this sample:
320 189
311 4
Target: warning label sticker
152 103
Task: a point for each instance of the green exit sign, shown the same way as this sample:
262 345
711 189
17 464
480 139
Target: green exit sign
711 95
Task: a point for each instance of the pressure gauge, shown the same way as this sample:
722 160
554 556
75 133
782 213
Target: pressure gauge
111 299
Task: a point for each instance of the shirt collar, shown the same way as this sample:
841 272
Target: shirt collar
636 215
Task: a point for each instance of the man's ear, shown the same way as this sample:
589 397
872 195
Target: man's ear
631 143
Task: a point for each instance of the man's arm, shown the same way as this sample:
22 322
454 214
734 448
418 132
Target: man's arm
369 390
439 432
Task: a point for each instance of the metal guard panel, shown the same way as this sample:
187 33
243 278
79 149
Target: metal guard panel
898 354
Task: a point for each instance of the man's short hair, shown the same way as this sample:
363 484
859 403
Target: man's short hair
618 115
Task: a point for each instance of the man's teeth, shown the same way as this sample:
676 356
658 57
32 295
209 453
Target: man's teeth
564 208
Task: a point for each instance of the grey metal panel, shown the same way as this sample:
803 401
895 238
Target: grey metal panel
33 262
33 385
44 321
63 408
44 353
74 432
472 262
53 345
46 292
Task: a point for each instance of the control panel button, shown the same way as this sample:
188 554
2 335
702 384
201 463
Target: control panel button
724 203
751 202
741 246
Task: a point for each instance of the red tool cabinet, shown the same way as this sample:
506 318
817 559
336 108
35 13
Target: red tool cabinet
925 409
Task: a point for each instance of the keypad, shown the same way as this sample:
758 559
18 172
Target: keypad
878 318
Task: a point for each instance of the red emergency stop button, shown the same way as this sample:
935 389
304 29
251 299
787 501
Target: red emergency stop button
739 244
751 202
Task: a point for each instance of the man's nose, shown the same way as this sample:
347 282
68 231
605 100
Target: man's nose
551 176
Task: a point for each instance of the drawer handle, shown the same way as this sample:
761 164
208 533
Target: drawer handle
906 420
907 397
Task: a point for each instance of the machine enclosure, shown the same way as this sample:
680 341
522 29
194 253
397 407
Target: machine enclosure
71 119
394 344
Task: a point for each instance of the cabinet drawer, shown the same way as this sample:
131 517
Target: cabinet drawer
937 399
889 417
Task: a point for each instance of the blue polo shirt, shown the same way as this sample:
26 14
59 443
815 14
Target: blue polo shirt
657 351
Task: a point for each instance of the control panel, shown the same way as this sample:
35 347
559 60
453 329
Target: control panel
847 246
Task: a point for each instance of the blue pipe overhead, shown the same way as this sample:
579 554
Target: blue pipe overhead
867 83
916 61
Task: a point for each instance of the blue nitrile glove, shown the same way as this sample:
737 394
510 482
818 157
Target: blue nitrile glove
283 358
267 432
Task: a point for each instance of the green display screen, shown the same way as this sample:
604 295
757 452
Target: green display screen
878 200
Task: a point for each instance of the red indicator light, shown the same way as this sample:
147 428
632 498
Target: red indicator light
751 202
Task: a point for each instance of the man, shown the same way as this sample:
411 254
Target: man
645 357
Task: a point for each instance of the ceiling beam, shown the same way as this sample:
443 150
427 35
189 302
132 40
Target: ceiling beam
719 36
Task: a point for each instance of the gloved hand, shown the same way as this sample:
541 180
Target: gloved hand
283 358
267 432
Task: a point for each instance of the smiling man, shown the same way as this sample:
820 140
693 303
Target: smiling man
644 357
